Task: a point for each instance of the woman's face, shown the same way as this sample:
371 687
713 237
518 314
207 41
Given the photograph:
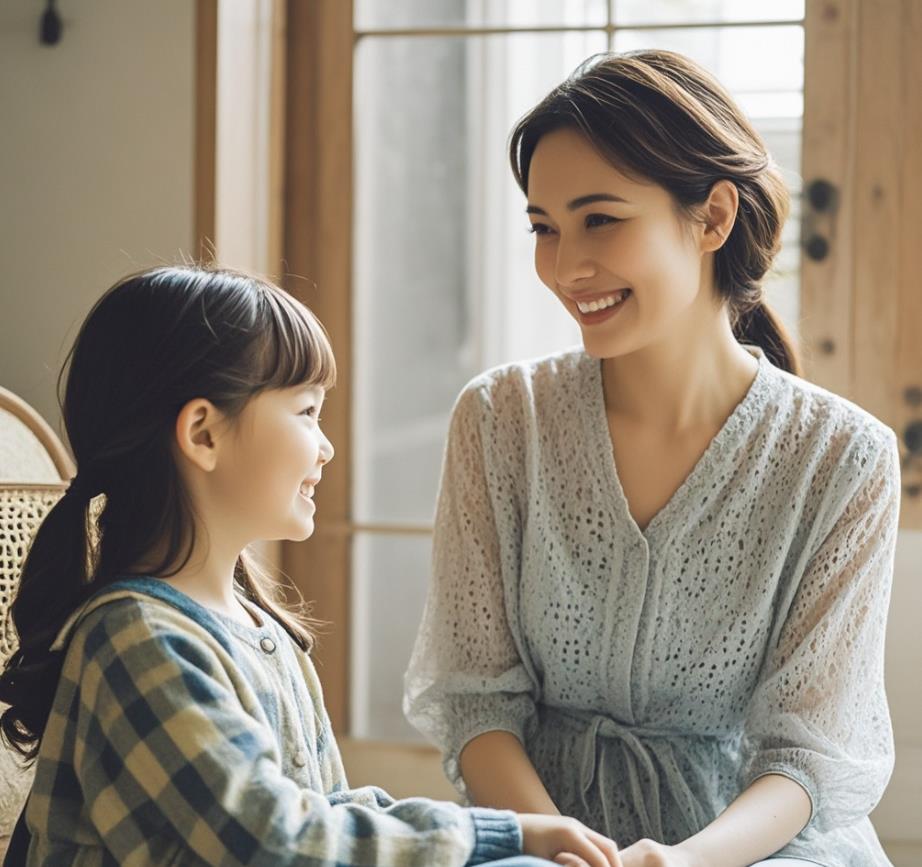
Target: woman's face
598 233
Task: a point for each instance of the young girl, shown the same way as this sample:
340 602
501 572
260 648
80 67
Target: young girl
169 699
663 560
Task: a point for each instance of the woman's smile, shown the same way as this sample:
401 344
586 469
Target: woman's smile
600 309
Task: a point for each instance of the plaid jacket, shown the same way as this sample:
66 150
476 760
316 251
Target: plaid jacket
179 736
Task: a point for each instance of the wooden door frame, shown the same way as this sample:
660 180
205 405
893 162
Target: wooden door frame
206 94
861 306
317 250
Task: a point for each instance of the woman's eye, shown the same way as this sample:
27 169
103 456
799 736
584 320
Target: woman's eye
538 229
594 220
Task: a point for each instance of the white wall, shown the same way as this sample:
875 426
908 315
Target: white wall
96 168
898 819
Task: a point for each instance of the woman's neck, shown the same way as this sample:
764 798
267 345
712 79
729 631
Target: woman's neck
676 387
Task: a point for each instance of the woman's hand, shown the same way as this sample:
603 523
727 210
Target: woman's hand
648 853
567 841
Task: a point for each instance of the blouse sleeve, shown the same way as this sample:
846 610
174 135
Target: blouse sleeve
819 714
468 673
165 748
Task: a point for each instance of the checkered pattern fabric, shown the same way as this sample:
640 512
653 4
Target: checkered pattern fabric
180 736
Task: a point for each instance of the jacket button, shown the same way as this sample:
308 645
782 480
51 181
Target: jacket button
267 644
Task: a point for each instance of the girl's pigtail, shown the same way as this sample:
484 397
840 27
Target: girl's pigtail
53 583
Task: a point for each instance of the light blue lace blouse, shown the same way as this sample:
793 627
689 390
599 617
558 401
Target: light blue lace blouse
654 675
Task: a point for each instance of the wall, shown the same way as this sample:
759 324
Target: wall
96 168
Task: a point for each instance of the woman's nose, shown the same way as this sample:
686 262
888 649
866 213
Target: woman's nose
572 265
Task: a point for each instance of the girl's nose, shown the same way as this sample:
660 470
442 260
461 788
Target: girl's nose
326 451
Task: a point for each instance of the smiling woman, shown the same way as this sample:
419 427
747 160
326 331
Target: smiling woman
649 551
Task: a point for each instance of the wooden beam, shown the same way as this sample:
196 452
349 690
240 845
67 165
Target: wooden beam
909 240
206 95
828 150
318 261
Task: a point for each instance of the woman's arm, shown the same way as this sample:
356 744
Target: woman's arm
762 820
497 771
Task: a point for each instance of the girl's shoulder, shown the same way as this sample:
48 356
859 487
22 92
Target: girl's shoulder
144 612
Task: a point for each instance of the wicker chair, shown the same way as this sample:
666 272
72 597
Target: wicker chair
34 469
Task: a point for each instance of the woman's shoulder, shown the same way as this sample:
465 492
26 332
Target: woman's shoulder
530 380
825 421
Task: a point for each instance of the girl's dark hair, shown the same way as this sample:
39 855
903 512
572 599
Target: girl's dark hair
153 342
658 116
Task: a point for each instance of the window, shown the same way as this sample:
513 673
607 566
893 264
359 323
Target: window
443 279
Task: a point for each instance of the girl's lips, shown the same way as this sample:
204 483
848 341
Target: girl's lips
307 488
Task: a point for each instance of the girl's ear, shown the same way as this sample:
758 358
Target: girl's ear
197 432
719 215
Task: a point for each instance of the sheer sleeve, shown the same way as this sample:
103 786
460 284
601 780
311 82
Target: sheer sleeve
819 714
468 673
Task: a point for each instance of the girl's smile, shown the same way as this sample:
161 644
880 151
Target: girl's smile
306 491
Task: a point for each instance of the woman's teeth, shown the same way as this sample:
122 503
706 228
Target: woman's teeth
603 303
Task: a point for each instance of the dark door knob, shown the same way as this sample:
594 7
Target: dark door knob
912 437
817 248
821 194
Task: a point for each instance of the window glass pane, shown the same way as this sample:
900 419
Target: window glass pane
686 11
747 60
444 283
402 14
443 275
390 577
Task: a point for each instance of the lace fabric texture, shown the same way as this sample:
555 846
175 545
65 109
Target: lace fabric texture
653 675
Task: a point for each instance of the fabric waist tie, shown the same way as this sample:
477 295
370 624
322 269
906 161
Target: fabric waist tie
636 742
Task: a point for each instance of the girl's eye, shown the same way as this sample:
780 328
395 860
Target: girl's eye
311 411
538 229
594 220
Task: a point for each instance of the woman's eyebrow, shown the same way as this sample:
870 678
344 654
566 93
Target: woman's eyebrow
581 202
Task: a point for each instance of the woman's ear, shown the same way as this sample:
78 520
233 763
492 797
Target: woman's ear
197 433
719 215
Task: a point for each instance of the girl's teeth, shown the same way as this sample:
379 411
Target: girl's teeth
602 303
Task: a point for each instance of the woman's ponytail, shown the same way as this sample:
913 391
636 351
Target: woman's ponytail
762 327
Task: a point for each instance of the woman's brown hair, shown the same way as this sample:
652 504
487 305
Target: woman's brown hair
658 116
153 342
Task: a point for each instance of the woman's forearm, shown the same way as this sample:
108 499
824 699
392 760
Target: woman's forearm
498 773
762 820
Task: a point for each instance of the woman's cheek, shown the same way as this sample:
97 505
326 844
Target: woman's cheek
544 263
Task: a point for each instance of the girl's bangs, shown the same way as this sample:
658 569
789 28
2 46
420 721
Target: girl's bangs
299 351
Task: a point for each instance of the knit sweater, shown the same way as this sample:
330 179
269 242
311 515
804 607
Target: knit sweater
181 736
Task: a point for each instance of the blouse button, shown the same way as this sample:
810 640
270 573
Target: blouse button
267 644
300 759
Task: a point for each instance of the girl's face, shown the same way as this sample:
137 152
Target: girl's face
598 233
271 462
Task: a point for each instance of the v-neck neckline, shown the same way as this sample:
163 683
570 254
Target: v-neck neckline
735 422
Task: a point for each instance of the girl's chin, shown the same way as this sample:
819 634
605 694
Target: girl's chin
306 532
